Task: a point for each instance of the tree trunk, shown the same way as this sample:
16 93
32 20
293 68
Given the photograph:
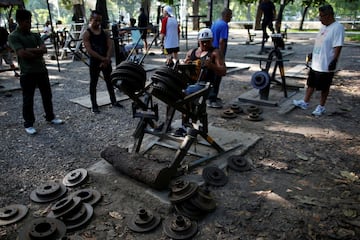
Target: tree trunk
101 7
279 17
258 17
195 13
303 18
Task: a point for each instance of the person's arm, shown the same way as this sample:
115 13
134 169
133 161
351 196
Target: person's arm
216 63
27 53
222 45
332 64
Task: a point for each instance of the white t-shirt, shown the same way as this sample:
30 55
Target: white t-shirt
326 40
171 31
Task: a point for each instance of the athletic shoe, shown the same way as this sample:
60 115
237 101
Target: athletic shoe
30 130
56 121
214 104
301 104
180 132
319 110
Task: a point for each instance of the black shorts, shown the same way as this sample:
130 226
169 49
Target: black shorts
320 80
172 50
143 34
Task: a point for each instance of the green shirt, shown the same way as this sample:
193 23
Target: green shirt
19 40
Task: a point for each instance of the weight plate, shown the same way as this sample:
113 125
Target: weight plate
260 80
64 207
228 113
204 200
187 209
43 228
180 227
75 177
254 109
253 116
214 176
80 218
238 163
236 108
143 221
12 213
89 196
182 190
48 192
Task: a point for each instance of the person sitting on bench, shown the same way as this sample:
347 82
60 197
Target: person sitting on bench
136 42
212 64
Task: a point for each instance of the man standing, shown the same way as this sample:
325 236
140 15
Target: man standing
169 35
99 46
269 12
325 55
30 50
220 30
143 23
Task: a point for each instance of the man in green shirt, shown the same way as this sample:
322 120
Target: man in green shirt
33 72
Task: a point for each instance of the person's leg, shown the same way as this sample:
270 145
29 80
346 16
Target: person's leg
94 77
106 73
323 96
28 86
43 83
309 92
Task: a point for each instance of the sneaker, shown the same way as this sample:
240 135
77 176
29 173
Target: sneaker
30 130
319 110
56 121
214 104
95 110
117 104
301 104
180 132
16 74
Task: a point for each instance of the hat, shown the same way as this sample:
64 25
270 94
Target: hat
168 9
205 34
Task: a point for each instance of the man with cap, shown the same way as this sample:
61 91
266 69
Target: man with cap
169 35
212 65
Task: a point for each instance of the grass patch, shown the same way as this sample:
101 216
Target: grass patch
353 38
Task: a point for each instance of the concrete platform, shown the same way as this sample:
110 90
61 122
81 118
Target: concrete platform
234 143
101 97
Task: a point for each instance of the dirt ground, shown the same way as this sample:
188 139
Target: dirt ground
304 178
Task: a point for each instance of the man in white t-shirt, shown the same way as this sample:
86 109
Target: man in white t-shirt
325 55
169 35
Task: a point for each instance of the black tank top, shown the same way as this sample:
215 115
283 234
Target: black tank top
208 74
98 42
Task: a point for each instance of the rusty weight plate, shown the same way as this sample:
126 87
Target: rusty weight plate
143 221
182 190
75 177
214 176
43 228
48 192
238 163
180 227
204 200
90 196
12 213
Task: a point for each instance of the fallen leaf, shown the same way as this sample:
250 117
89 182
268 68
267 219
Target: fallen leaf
349 176
116 215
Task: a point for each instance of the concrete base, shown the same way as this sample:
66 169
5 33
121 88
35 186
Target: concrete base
234 142
102 98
